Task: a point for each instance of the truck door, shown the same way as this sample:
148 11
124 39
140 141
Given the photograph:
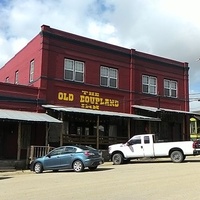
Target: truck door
147 146
135 148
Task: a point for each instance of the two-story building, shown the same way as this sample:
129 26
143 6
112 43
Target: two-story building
101 93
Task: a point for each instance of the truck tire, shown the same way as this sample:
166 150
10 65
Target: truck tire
117 159
177 156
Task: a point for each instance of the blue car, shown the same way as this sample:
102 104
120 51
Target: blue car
75 157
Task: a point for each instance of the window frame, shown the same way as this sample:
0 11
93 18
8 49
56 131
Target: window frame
168 87
17 77
106 74
74 70
149 85
32 69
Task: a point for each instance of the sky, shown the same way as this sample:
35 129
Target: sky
166 28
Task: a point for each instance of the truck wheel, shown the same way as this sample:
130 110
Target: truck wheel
117 159
177 156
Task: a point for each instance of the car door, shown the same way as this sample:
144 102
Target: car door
52 160
134 148
67 157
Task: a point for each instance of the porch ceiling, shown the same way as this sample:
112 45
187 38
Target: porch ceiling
98 112
26 116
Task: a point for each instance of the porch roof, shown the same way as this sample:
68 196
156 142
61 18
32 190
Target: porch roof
26 116
154 109
99 112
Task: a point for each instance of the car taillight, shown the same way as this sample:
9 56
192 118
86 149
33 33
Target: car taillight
87 153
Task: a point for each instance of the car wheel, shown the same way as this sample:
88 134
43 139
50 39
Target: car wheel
92 168
117 159
78 166
177 156
38 168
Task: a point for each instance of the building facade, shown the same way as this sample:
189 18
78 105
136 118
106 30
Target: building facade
102 93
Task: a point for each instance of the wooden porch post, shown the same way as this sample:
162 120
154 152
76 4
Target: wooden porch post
47 134
97 131
150 127
19 141
129 128
62 130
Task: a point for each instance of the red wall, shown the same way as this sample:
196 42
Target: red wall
21 62
58 48
161 68
51 47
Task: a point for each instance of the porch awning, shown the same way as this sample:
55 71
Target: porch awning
154 109
99 112
26 116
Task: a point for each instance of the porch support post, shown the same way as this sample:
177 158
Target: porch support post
129 128
62 130
97 132
19 141
47 134
149 127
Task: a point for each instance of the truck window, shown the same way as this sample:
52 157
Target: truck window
136 141
146 140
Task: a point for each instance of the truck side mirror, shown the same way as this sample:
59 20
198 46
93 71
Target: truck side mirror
130 142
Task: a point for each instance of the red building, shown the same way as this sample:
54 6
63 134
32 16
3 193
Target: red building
101 92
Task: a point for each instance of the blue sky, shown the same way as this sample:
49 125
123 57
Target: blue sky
166 28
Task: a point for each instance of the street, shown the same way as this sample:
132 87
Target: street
140 180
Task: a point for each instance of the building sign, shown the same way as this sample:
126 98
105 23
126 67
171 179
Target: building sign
88 99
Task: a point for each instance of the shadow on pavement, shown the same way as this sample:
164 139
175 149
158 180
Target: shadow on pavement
5 177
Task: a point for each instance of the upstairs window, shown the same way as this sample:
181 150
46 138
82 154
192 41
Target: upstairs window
7 79
149 84
32 66
73 70
109 77
16 77
170 88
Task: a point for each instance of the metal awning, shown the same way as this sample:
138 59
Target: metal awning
26 116
154 109
98 112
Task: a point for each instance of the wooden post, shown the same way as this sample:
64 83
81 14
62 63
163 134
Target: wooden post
149 127
47 134
97 132
62 130
129 128
19 141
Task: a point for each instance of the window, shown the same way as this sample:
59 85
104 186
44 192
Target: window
16 77
109 77
170 88
135 140
56 151
146 140
7 79
32 66
73 70
149 84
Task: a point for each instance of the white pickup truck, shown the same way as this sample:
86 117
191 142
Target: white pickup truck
141 146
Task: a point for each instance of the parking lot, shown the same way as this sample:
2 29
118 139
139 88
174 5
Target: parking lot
158 179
